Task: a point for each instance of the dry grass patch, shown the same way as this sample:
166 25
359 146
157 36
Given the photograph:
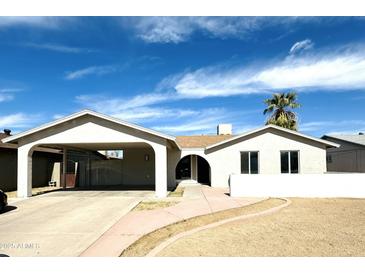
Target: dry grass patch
308 227
178 192
145 244
150 205
35 191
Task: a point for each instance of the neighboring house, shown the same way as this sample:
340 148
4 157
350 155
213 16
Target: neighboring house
44 165
151 159
350 156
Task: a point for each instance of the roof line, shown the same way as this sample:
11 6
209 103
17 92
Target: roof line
343 140
79 114
328 143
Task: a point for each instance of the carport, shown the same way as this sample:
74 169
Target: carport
144 151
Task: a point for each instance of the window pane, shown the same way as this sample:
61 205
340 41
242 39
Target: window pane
254 162
284 162
294 162
244 162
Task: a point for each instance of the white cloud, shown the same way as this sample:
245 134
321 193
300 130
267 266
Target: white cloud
94 70
99 103
58 116
146 109
47 22
301 46
334 127
135 108
6 97
7 94
338 70
58 48
204 122
179 29
17 120
10 90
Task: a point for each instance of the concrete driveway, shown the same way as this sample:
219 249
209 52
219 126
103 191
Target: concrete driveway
63 223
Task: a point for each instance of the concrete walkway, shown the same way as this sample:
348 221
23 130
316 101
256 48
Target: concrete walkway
197 200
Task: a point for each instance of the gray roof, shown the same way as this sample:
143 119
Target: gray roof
354 138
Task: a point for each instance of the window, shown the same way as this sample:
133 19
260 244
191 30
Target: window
119 154
289 161
250 162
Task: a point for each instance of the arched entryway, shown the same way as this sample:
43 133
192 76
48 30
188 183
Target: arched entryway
193 167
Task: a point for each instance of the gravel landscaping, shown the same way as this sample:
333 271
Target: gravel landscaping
308 227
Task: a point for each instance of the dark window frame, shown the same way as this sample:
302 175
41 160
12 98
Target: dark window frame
289 161
249 161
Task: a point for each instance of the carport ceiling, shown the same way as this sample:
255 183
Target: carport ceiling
100 146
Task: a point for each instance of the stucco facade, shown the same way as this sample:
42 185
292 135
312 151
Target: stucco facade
225 160
150 158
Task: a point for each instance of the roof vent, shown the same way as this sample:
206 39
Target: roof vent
7 131
224 129
361 133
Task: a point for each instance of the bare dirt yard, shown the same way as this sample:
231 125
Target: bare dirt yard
145 244
308 227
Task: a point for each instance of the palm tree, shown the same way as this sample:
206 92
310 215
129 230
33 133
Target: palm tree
280 106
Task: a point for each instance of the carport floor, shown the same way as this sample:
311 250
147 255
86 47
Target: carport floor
63 223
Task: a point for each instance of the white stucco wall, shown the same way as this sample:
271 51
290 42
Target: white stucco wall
227 160
298 185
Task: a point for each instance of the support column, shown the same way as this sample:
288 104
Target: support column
194 168
160 170
24 181
64 167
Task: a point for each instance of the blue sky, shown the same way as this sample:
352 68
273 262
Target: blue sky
183 75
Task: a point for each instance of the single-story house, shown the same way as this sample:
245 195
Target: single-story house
350 156
154 159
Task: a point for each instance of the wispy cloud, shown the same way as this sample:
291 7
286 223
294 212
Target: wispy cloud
339 70
58 48
180 29
7 94
93 70
18 120
99 102
6 97
139 107
46 22
334 127
204 122
301 46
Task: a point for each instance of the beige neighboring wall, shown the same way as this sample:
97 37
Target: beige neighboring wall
347 158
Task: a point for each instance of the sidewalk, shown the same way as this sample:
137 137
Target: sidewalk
197 200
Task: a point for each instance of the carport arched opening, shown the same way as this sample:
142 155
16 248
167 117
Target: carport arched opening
193 168
98 166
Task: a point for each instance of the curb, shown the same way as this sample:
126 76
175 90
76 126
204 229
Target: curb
173 239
